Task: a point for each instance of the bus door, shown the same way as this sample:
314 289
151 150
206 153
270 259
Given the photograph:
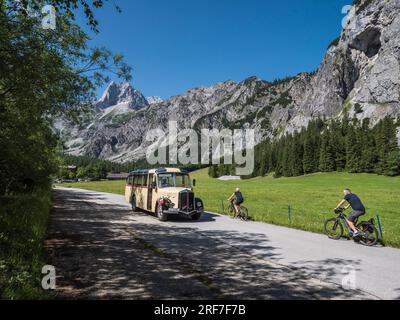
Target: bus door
150 191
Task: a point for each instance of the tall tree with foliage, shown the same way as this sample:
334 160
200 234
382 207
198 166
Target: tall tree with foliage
309 163
393 164
386 142
44 73
297 156
353 150
369 155
326 156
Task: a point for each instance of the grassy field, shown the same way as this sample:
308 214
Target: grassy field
23 224
311 198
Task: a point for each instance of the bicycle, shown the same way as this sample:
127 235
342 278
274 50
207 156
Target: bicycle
368 233
243 214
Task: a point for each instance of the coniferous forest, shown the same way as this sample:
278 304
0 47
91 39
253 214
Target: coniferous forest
325 146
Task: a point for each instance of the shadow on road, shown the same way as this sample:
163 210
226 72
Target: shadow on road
328 269
102 250
205 217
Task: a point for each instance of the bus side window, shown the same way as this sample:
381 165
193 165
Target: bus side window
151 180
137 183
140 181
144 181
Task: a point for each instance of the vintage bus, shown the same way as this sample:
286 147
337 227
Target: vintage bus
165 192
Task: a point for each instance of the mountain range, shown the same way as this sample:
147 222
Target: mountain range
358 77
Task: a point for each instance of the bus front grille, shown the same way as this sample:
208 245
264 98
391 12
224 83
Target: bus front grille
186 201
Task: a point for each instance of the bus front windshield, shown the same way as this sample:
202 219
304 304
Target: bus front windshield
173 180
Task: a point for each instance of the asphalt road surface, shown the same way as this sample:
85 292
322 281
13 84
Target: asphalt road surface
102 250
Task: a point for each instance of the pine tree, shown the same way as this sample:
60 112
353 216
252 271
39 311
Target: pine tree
353 149
287 157
309 163
297 156
337 143
393 164
326 157
212 171
386 143
279 162
369 156
264 163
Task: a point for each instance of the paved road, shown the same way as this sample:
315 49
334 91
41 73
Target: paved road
102 250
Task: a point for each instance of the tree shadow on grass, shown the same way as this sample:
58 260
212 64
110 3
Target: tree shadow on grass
103 251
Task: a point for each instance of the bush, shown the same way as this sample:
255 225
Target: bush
23 223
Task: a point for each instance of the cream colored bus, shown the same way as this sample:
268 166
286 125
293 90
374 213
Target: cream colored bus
165 192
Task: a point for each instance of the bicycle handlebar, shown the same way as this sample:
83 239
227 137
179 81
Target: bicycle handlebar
339 210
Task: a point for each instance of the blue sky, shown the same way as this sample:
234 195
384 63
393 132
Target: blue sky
174 45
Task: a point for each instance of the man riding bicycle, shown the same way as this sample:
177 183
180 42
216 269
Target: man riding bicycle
237 199
358 209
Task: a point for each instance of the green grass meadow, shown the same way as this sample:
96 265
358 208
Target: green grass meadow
311 198
23 225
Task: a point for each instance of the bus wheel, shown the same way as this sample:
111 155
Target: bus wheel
160 214
196 217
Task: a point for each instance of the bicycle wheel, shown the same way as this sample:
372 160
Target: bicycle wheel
333 229
231 210
244 213
370 235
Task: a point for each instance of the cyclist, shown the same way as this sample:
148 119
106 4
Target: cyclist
358 209
237 199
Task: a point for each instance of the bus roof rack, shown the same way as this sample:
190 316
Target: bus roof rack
159 170
163 170
140 172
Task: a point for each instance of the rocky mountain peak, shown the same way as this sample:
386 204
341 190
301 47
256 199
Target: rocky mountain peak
154 100
121 94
